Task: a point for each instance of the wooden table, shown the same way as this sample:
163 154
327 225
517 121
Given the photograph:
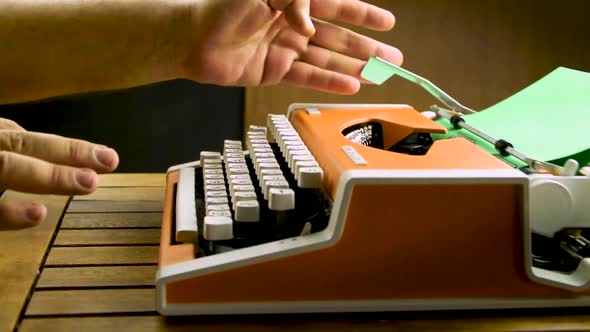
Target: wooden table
97 257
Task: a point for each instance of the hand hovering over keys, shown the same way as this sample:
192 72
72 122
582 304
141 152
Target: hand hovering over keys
263 42
45 164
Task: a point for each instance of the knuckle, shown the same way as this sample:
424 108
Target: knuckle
58 177
16 141
4 164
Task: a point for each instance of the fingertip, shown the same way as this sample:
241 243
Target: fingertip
35 214
107 158
87 180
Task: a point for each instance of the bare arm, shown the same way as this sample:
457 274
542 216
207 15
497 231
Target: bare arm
57 47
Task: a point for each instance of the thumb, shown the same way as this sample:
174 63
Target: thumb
297 14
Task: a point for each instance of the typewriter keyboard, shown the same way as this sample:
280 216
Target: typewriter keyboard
238 198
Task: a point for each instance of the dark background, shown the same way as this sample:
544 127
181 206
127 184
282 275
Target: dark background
152 127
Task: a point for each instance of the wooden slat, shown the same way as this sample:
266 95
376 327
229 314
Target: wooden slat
112 220
97 276
93 301
65 256
75 237
21 256
132 180
328 323
115 206
125 194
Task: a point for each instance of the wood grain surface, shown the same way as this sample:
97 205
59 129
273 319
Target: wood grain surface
124 194
115 206
112 220
97 276
76 256
132 180
91 301
84 237
21 256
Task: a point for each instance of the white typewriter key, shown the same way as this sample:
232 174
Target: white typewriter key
216 207
242 187
283 144
210 161
257 128
209 165
209 155
217 193
243 196
261 161
238 152
233 186
260 146
270 172
214 182
217 228
235 171
241 182
233 156
247 211
216 200
297 159
213 171
262 166
186 218
213 176
270 185
274 179
297 153
240 160
232 142
239 177
214 187
281 199
303 164
310 177
261 150
220 213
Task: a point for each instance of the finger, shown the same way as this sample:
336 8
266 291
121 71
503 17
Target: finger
332 61
60 150
308 76
9 125
20 214
353 12
352 44
27 174
296 13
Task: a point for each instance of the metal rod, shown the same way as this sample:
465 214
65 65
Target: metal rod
536 165
434 90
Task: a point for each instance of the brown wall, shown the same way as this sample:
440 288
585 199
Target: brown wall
480 52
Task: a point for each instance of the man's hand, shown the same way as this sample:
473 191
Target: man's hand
45 164
263 42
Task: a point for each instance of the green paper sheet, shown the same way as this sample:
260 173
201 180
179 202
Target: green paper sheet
548 120
376 71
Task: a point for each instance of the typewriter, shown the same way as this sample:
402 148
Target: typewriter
351 208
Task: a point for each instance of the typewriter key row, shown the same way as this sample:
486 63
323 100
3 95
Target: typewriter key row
275 188
301 162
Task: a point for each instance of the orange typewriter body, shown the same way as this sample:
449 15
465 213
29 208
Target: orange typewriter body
444 230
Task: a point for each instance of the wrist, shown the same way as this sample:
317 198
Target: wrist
176 35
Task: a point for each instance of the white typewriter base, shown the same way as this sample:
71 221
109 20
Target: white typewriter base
369 306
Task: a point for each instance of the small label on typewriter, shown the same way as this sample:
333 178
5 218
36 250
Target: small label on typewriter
354 155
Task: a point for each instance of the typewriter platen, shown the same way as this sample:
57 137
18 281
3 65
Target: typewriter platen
355 208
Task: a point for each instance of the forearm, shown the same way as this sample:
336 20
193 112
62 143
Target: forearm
58 47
